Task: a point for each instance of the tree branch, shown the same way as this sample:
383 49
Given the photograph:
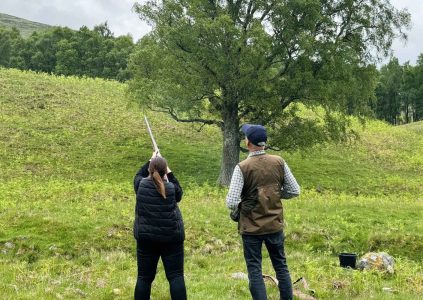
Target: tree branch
172 113
249 15
194 120
266 12
285 102
182 47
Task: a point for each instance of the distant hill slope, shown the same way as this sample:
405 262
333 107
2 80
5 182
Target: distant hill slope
26 27
83 127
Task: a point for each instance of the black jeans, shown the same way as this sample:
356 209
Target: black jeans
252 252
172 254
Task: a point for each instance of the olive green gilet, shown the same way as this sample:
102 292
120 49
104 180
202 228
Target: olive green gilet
261 206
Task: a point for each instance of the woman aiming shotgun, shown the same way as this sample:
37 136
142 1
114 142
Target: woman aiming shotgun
158 228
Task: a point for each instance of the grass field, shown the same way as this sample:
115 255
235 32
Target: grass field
69 149
26 27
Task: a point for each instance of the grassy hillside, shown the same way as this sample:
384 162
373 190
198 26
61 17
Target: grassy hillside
26 27
69 149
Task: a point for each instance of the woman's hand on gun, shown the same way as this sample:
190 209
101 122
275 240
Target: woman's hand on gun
155 154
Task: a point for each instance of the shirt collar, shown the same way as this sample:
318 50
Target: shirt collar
259 152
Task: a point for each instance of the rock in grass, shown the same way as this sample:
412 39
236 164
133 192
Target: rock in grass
389 290
377 261
101 283
80 292
207 249
239 275
117 291
9 245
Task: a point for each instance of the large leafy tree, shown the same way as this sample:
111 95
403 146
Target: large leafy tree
400 92
226 62
413 91
409 93
388 92
10 44
5 47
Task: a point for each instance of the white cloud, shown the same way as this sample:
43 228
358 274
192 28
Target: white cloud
76 13
122 20
410 50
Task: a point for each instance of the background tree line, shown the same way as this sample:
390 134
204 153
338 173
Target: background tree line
400 92
93 53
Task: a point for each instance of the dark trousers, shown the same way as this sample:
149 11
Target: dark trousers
172 254
252 252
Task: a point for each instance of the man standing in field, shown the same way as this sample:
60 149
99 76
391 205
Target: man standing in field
257 186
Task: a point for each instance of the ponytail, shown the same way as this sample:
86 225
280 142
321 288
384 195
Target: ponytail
158 182
157 170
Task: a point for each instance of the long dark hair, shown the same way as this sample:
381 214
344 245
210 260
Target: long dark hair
157 170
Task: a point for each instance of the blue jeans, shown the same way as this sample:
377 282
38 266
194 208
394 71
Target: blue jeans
252 252
172 254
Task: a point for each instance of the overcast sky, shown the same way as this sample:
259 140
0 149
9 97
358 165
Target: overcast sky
122 20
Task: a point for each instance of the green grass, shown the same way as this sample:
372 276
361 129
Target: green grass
69 148
26 27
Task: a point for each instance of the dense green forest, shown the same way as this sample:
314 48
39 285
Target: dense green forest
62 51
400 92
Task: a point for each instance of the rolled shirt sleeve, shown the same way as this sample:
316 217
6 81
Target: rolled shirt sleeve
235 189
290 187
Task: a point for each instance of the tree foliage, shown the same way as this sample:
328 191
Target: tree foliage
400 92
388 91
227 62
93 53
9 38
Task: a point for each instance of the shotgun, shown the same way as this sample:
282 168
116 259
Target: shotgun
155 148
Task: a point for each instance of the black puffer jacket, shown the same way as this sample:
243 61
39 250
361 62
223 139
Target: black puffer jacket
157 219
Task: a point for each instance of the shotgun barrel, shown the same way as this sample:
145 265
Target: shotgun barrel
155 148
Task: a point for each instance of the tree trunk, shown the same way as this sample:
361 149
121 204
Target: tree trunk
230 151
407 111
